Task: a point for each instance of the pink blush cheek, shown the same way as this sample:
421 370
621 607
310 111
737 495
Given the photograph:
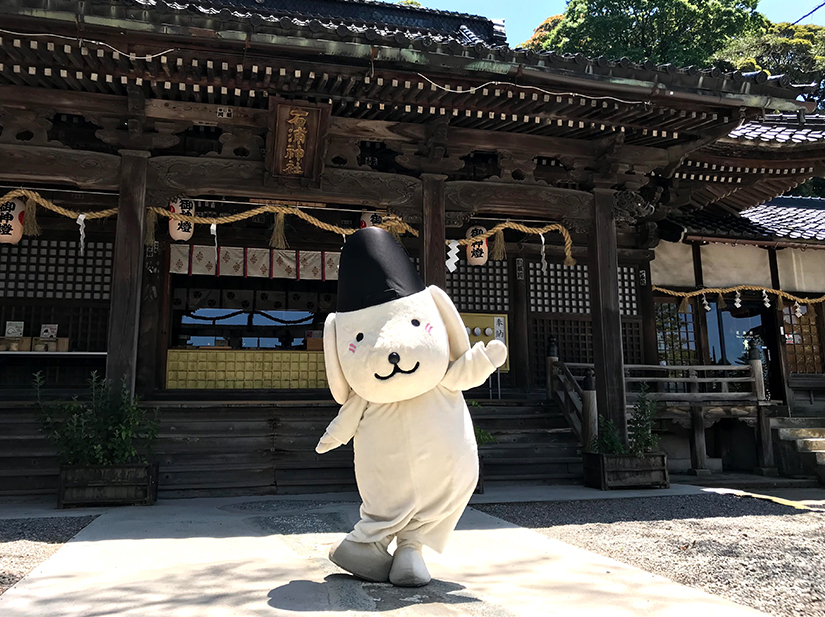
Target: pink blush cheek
428 328
352 347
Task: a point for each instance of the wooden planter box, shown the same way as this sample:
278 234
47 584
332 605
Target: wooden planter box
107 486
609 471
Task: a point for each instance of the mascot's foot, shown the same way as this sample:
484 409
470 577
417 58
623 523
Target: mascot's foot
369 561
408 568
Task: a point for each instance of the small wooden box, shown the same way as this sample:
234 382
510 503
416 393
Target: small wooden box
20 343
315 344
51 344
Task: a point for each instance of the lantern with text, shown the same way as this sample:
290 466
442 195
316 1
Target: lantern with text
11 221
371 219
477 251
182 230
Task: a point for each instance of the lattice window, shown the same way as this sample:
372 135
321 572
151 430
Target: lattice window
483 289
676 334
632 342
802 340
575 340
564 289
628 291
38 268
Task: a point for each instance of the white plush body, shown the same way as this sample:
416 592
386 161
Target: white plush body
416 461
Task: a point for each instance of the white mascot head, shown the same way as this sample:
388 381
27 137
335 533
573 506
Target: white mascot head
392 339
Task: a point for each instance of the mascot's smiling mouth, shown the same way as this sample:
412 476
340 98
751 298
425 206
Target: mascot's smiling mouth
395 370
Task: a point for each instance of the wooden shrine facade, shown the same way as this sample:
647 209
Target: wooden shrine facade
132 104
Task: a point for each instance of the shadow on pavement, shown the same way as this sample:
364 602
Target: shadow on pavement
342 592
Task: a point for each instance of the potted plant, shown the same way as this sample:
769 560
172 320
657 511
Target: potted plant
609 464
103 445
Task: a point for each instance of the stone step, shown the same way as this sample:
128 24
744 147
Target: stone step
810 445
801 433
779 423
820 458
497 451
497 422
534 436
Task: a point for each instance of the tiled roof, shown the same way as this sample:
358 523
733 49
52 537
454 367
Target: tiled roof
354 15
717 224
797 218
428 31
783 128
783 218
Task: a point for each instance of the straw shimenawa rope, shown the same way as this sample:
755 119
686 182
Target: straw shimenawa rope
724 290
391 223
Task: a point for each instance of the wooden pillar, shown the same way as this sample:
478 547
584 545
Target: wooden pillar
698 445
519 327
647 308
433 255
127 269
604 312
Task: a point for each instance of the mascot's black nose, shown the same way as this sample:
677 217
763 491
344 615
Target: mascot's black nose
394 358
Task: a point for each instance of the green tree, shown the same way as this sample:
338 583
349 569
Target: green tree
410 3
542 33
681 32
783 49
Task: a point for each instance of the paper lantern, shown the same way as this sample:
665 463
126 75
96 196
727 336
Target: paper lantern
181 230
12 214
371 219
477 252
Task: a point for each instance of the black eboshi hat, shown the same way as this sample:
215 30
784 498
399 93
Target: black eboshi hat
374 269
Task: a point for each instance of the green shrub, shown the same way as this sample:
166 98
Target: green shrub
108 429
608 440
640 426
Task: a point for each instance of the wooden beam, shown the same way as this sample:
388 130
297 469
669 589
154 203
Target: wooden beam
84 169
222 176
432 258
604 310
127 270
63 101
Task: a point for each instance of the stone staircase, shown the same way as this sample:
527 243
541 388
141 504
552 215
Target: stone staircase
533 442
799 446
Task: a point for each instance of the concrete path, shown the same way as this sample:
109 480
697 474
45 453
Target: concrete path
266 556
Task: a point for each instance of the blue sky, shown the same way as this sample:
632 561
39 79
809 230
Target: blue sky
522 16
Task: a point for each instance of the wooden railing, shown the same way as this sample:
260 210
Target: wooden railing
572 386
685 384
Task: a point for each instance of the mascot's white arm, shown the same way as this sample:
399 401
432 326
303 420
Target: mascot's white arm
343 427
475 366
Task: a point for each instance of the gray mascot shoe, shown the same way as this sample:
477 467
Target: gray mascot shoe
408 568
369 561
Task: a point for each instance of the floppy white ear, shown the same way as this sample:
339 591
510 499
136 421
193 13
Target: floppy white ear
457 334
338 384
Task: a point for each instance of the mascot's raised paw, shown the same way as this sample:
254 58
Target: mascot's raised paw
497 352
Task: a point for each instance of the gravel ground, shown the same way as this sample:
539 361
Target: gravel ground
26 543
751 551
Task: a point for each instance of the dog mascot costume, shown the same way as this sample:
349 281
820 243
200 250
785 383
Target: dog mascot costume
397 359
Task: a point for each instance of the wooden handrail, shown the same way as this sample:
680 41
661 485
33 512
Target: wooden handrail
692 380
667 367
566 372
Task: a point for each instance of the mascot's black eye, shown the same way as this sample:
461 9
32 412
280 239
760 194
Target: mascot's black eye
416 323
359 337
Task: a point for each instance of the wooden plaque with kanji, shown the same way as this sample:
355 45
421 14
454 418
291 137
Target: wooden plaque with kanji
296 142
